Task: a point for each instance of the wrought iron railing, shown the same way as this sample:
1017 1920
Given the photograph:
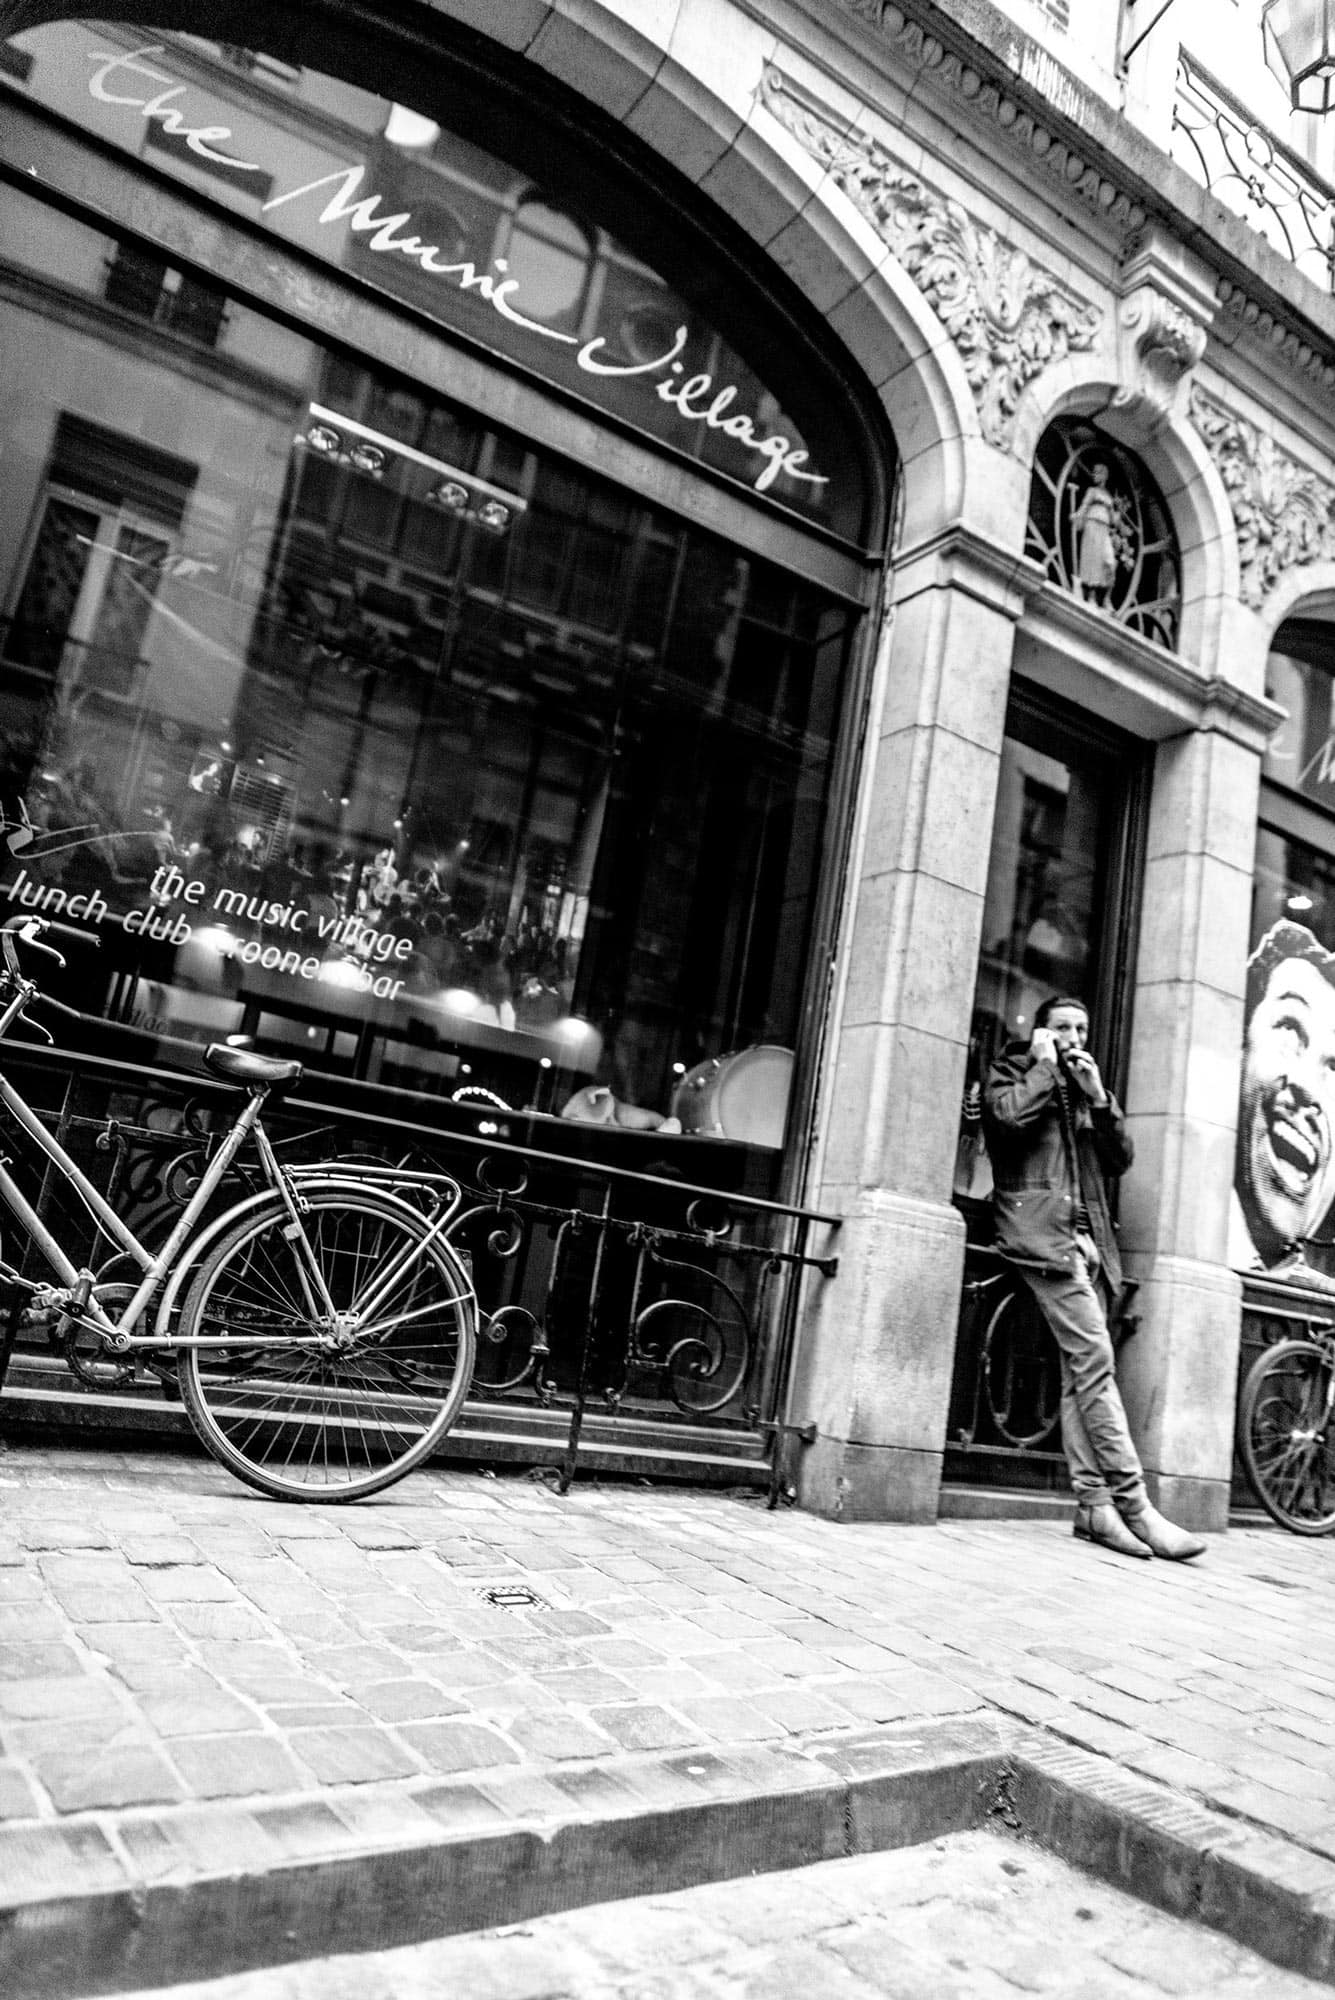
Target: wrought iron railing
1219 143
1272 1310
631 1296
1004 1426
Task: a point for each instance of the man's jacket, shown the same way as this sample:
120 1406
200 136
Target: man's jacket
1036 1154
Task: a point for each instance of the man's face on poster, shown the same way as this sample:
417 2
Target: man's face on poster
1286 1128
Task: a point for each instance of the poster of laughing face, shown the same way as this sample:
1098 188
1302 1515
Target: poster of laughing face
1284 1172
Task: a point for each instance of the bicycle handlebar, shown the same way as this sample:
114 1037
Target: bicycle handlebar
37 926
30 929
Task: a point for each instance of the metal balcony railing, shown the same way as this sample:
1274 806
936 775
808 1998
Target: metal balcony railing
1273 189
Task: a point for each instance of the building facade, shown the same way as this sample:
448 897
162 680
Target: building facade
636 582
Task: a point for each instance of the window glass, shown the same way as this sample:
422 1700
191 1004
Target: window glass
1098 525
625 308
1040 919
1047 910
1284 1170
356 724
1300 675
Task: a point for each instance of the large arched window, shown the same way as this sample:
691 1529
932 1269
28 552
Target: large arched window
428 615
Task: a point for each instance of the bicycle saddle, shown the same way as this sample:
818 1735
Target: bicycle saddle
244 1066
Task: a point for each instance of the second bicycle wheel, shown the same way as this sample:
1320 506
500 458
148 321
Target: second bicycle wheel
1284 1435
355 1406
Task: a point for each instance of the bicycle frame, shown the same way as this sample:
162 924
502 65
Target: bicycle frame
285 1183
119 1332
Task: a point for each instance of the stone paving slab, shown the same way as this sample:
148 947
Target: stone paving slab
198 1686
967 1917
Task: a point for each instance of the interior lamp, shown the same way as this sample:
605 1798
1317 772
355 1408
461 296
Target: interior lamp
1299 37
410 129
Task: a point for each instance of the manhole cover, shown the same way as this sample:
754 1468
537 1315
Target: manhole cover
513 1597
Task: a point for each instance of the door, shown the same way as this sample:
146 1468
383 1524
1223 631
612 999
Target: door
1059 918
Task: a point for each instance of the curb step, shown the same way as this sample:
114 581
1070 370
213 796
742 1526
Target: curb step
142 1899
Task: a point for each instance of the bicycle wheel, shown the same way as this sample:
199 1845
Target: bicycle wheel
1284 1435
360 1406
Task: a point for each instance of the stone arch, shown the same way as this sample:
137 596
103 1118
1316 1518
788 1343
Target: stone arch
706 116
1178 460
1305 592
686 85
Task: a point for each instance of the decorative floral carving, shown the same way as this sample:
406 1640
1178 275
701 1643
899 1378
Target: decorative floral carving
1008 317
1022 125
1284 514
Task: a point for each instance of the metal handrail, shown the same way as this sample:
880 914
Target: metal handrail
203 1084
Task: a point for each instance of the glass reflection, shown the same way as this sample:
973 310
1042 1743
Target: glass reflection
356 724
534 251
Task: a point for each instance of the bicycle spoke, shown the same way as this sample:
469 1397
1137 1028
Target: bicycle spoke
1285 1435
343 1418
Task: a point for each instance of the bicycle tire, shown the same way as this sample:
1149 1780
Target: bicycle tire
313 1424
1285 1437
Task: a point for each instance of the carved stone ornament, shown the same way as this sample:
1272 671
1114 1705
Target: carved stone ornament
989 100
1168 305
1284 514
1165 343
1008 317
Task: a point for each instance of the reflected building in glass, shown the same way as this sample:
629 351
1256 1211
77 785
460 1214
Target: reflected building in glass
637 590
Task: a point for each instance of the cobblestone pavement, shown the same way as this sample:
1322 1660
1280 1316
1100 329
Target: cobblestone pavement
172 1645
971 1917
165 1636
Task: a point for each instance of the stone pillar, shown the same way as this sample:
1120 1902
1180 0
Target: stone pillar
1179 1371
876 1352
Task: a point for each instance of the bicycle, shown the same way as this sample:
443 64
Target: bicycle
323 1327
1285 1438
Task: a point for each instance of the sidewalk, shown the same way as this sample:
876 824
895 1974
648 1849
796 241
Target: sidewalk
233 1732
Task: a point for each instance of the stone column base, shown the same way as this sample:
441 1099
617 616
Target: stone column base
1198 1504
876 1357
867 1482
1179 1382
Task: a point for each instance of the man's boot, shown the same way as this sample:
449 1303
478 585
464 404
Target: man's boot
1104 1525
1161 1537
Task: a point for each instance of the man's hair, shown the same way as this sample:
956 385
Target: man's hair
1048 1007
1282 941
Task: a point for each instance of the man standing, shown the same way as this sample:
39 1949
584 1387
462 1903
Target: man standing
1284 1178
1053 1134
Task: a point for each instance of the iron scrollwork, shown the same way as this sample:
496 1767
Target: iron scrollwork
1100 529
662 1303
1273 189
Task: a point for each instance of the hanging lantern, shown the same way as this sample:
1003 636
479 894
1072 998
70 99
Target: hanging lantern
1299 40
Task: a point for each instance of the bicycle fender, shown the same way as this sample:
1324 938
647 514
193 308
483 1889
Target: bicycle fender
197 1246
194 1249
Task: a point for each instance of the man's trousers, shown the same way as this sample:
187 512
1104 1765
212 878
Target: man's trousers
1103 1462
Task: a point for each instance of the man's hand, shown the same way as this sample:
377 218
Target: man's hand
1043 1045
1084 1072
